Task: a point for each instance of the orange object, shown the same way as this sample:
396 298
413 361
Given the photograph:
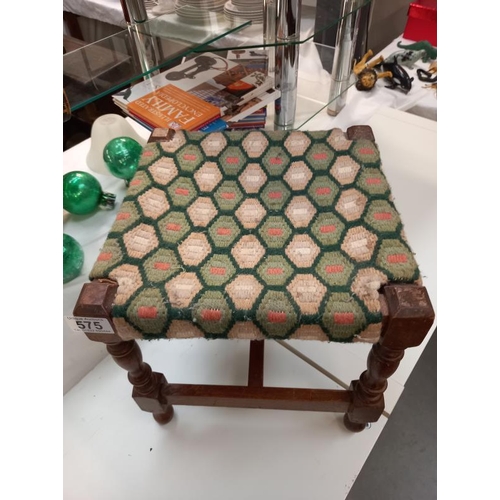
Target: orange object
171 107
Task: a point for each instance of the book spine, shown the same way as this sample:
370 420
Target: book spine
215 126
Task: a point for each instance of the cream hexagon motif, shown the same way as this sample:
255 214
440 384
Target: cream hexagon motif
297 143
298 175
194 249
245 330
163 170
244 291
351 204
300 211
359 244
252 178
255 144
125 330
153 203
173 144
309 332
129 280
183 329
302 250
338 140
248 251
345 170
140 240
208 176
213 144
307 292
366 286
202 211
182 289
250 213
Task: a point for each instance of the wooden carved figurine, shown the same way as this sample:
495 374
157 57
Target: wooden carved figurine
366 75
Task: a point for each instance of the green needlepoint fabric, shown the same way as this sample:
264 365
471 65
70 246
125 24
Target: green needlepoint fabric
256 234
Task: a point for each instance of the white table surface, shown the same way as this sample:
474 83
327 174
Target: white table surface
113 450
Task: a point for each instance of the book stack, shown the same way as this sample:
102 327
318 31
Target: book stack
205 92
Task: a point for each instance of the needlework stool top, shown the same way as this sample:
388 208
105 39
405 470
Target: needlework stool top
254 235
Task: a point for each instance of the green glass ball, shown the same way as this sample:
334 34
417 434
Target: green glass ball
122 156
72 258
82 193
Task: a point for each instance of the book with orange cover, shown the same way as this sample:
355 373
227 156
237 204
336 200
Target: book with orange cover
172 107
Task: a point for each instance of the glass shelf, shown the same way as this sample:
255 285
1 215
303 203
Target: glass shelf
313 85
102 68
316 19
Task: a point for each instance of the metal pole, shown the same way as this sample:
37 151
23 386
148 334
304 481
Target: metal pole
136 11
287 61
145 41
343 59
270 34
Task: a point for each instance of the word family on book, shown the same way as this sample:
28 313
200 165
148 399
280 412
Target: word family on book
205 92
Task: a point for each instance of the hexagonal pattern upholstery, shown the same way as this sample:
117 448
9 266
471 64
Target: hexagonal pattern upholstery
255 235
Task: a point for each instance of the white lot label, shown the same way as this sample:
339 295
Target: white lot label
89 325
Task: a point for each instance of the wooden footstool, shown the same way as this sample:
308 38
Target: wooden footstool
258 235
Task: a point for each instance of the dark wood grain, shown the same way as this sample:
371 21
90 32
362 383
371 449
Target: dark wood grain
360 132
271 398
147 384
256 364
96 301
407 318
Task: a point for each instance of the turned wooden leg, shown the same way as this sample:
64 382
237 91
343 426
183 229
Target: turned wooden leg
407 318
95 301
147 384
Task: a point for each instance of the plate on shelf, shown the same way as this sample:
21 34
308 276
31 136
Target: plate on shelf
252 13
205 5
249 4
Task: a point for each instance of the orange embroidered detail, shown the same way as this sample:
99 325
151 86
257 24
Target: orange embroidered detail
323 190
211 315
366 151
383 216
329 228
223 231
182 191
171 226
147 312
147 153
320 156
219 271
275 161
122 215
105 256
228 196
275 194
135 182
189 157
163 266
274 270
373 180
334 269
343 318
397 258
276 317
275 231
232 159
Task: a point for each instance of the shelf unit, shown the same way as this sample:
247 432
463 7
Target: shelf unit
102 68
